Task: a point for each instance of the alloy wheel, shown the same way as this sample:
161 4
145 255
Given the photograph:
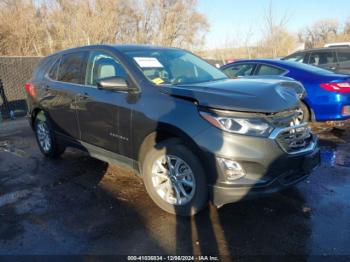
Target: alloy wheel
43 135
173 180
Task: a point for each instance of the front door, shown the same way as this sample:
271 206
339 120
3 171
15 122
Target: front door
104 116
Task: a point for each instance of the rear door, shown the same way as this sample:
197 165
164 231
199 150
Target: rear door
325 59
63 82
104 116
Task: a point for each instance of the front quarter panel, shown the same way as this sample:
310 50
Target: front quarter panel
157 112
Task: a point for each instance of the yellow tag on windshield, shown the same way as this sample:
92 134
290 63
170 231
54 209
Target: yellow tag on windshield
158 81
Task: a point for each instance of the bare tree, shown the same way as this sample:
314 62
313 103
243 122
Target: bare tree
31 27
276 38
347 27
319 33
274 30
247 36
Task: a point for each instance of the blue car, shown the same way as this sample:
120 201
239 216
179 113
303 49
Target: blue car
327 93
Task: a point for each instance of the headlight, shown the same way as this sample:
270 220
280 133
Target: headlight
239 125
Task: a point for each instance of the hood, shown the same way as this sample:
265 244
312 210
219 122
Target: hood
245 95
288 82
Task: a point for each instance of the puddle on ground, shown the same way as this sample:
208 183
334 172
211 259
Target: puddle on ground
7 146
331 157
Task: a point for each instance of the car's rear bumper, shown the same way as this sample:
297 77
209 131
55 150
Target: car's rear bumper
332 117
330 107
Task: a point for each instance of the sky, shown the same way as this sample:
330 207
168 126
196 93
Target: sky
229 19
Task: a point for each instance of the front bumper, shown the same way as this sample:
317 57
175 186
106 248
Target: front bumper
295 170
268 166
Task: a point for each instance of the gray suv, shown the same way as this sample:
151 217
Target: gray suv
192 134
336 59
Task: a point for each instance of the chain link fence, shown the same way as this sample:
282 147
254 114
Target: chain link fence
14 73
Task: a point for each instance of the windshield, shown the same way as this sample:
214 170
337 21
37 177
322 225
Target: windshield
174 67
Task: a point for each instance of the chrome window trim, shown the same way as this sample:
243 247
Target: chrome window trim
256 64
285 71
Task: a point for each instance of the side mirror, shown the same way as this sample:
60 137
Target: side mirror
113 83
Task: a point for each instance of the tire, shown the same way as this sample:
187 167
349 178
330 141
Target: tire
305 113
46 139
189 171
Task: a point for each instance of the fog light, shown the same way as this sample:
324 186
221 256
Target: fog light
346 110
232 169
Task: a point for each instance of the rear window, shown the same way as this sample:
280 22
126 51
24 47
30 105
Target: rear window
53 70
343 56
309 68
321 58
72 68
265 70
40 69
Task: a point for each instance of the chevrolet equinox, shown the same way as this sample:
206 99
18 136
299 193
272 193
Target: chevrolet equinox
192 134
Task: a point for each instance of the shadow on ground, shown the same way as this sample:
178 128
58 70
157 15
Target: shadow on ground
79 205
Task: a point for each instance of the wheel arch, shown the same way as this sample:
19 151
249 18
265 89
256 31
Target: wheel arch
36 112
162 133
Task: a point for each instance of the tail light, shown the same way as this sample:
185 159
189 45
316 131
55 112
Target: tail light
340 87
30 89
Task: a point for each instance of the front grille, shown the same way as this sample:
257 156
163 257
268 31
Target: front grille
291 135
284 119
295 139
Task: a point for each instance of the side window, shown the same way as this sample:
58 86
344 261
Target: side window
343 56
102 65
237 70
296 58
321 58
72 68
53 71
265 70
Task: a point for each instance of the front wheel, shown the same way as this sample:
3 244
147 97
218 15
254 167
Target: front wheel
304 113
174 178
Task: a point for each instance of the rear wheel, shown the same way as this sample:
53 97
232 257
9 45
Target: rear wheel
174 178
45 137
